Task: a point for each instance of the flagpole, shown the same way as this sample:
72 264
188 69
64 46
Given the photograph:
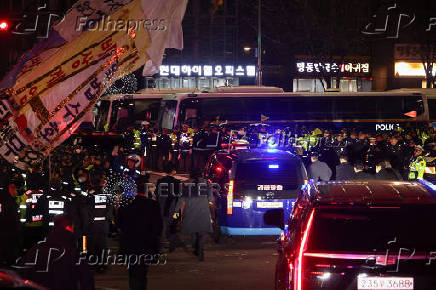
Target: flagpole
259 44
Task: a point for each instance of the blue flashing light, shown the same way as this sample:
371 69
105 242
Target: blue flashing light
269 150
428 184
273 166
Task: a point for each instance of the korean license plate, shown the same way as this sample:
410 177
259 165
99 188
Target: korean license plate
385 283
265 204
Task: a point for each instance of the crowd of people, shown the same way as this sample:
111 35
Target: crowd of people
85 193
410 151
80 198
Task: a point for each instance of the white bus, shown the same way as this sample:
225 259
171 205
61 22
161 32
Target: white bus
369 111
118 112
245 105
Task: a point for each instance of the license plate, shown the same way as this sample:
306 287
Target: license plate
263 204
385 283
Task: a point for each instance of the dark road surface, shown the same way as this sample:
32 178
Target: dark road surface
236 263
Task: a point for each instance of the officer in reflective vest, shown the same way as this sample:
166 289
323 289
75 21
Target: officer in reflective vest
417 166
154 150
52 203
185 148
30 218
99 225
174 136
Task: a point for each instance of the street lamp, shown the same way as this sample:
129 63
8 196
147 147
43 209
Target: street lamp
259 45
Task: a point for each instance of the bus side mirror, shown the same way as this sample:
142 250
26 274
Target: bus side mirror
274 217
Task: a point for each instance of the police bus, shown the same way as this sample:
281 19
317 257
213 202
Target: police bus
369 111
113 114
171 108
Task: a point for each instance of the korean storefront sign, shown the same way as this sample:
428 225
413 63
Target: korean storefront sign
207 71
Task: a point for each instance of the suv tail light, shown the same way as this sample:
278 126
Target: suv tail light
298 275
230 198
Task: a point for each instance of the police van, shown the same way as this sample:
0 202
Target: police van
252 182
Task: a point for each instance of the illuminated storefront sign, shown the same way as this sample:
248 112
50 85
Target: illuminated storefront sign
411 69
207 71
346 68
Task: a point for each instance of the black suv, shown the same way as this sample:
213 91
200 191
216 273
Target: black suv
359 235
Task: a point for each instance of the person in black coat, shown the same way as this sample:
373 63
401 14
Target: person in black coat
345 170
169 187
140 223
384 171
193 208
319 171
10 228
56 262
360 174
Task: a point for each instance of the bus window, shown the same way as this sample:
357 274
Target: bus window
188 112
432 108
102 112
255 107
225 109
392 107
121 115
413 104
168 114
317 108
146 110
347 108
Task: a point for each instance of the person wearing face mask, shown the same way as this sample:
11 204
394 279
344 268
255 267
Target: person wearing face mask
80 178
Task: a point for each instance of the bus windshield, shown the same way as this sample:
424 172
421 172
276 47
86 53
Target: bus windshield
129 112
101 116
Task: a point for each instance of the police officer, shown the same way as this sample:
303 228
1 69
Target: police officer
174 154
53 202
9 234
185 148
101 216
358 148
146 136
199 150
92 212
30 218
164 146
418 164
36 179
154 150
213 141
394 152
131 169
